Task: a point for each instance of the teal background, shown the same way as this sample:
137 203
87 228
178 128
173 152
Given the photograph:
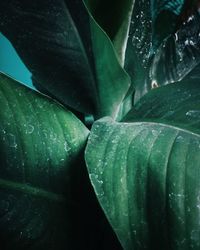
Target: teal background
11 64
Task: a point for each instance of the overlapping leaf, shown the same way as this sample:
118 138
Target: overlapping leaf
177 104
145 171
165 16
178 56
69 56
152 22
46 201
114 17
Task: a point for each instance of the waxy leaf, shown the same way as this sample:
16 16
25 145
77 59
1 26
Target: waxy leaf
39 143
115 82
114 17
178 56
151 23
177 104
139 46
70 57
46 201
165 17
145 171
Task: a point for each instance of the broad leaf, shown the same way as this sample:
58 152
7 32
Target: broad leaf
165 16
68 54
114 17
178 57
149 26
177 104
115 83
46 201
145 173
139 46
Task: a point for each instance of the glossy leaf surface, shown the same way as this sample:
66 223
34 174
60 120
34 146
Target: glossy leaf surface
150 25
69 56
145 171
39 143
46 201
177 104
178 56
115 83
165 17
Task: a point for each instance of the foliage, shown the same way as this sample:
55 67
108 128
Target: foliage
129 69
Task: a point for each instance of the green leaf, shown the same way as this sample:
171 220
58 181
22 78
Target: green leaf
146 172
162 12
149 27
115 83
176 104
178 56
46 201
70 57
114 17
139 47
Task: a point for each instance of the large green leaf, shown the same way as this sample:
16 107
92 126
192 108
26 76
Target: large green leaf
145 173
149 26
177 104
162 12
69 55
115 83
46 201
114 17
139 46
178 56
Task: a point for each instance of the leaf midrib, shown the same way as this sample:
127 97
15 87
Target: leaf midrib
31 190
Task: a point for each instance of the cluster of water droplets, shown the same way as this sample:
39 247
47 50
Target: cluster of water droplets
140 31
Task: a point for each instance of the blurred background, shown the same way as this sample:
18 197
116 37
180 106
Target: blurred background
11 64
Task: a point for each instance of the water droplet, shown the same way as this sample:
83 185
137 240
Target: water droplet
155 132
67 147
97 184
195 235
193 113
29 129
12 141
